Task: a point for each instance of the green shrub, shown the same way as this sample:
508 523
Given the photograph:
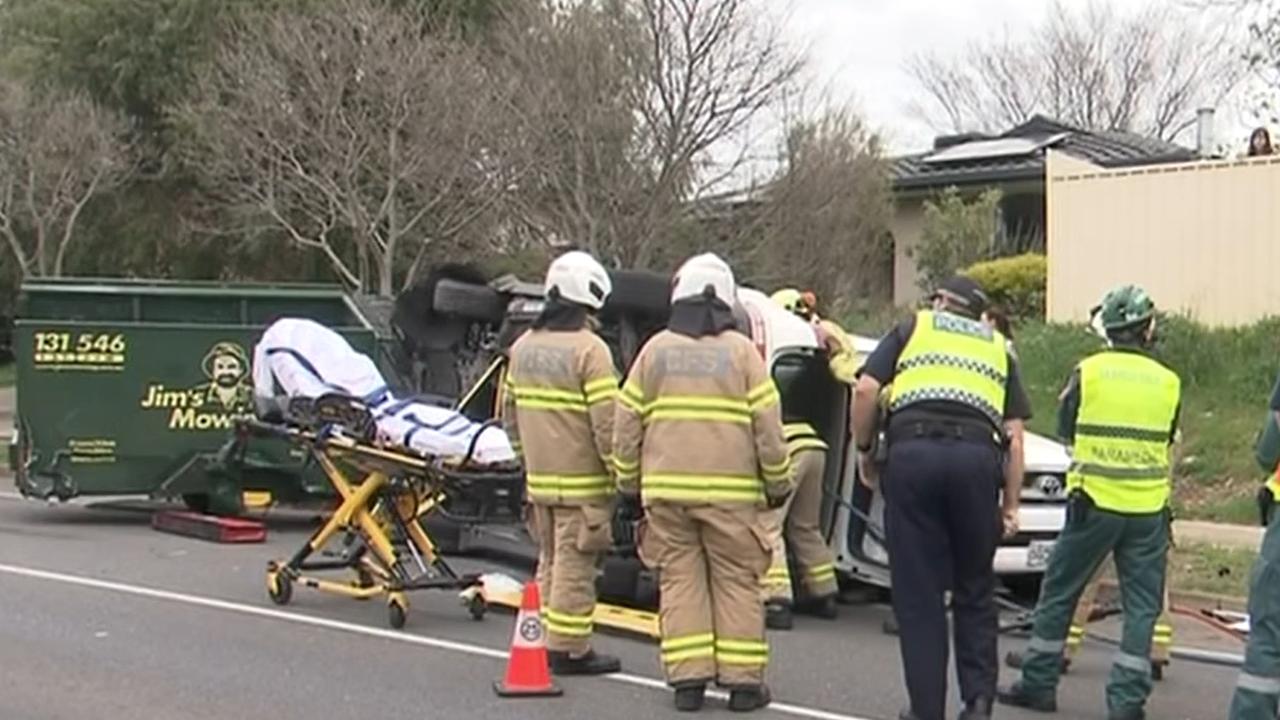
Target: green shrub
958 231
1015 283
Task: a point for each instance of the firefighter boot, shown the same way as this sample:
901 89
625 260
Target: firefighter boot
777 615
746 699
592 663
690 695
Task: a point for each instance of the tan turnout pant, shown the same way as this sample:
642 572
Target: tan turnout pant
798 524
570 540
1161 641
710 561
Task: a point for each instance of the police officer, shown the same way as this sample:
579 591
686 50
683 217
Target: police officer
559 410
699 434
954 432
1257 693
1119 415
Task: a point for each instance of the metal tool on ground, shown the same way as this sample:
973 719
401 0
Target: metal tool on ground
500 590
528 671
209 527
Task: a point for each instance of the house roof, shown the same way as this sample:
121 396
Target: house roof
1019 154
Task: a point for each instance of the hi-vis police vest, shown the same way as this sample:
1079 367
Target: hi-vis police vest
802 436
1128 402
952 358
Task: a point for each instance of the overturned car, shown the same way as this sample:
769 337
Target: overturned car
481 320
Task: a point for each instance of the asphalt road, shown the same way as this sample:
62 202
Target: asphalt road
102 617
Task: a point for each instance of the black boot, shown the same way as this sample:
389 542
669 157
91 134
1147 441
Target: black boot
1129 714
1014 660
825 607
690 695
746 699
1017 696
979 709
908 715
777 615
592 663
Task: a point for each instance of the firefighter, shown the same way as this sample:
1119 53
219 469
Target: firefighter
954 437
699 436
842 359
559 410
798 525
1257 693
1119 415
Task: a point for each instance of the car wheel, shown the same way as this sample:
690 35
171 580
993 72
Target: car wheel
465 300
639 291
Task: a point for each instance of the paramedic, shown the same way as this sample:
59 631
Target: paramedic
956 410
1119 418
1257 694
699 436
558 409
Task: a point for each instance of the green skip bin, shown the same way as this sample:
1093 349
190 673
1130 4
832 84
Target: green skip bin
133 388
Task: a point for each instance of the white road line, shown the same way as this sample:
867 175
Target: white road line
398 636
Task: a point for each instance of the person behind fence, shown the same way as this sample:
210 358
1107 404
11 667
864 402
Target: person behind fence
559 411
1119 417
699 436
954 438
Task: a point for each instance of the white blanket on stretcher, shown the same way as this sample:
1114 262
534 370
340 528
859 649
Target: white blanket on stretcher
302 358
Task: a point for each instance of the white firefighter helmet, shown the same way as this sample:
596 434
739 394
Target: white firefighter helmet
698 272
579 278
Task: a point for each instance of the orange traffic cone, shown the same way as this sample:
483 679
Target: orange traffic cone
527 671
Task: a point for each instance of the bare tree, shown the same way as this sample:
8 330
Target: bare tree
1147 72
630 98
823 221
355 129
58 151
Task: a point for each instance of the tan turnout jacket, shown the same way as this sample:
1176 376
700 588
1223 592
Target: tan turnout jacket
699 422
558 410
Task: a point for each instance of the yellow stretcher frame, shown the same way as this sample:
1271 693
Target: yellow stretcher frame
394 490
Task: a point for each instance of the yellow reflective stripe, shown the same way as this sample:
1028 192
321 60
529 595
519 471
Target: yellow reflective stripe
697 416
632 397
742 652
763 395
569 486
528 404
801 444
819 571
775 473
734 482
625 465
781 575
697 653
598 391
569 625
700 402
597 385
680 642
790 430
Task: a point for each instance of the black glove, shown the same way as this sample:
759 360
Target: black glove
629 507
776 501
1266 505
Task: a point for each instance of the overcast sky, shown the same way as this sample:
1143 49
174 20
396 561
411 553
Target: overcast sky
858 49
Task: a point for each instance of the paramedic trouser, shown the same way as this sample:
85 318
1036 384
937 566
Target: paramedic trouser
1161 641
1140 544
942 521
570 540
1257 692
710 561
798 524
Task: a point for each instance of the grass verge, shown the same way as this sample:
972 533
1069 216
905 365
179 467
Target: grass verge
1202 568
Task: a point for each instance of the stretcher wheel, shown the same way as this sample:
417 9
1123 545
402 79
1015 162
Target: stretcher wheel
396 615
280 588
477 607
1157 671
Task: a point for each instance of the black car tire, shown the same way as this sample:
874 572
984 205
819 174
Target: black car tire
468 301
639 291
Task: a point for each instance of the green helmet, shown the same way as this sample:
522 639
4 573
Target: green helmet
1125 307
